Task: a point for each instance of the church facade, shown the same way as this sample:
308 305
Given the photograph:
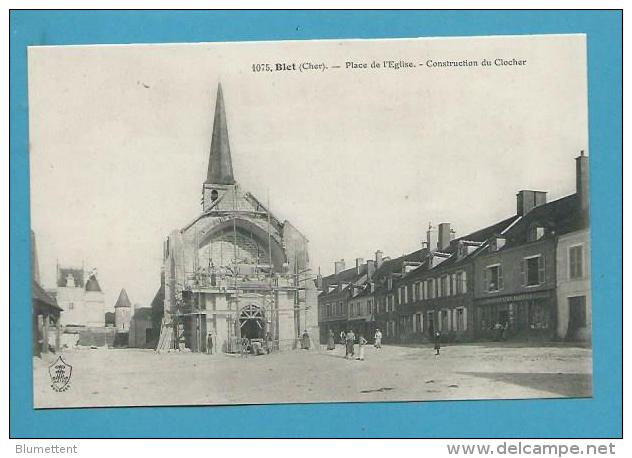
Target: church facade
235 271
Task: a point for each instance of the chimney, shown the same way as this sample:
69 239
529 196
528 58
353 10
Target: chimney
444 236
582 183
378 259
370 268
339 266
432 238
527 200
359 262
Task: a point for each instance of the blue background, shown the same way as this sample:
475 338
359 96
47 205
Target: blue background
597 417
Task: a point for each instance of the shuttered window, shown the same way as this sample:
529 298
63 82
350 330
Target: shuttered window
493 278
576 261
532 271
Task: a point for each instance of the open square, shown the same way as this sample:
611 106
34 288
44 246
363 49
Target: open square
394 373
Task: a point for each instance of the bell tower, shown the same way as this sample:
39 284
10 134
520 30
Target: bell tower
219 177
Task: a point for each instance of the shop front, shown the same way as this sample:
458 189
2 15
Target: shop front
517 316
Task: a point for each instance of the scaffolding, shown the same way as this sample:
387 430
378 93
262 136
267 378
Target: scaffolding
189 313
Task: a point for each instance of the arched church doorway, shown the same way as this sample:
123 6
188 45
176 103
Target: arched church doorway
252 322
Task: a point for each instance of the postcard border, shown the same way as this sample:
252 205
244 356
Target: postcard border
599 417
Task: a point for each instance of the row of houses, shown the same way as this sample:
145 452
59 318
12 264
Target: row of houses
525 277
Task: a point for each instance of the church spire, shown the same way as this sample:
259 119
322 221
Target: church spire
220 166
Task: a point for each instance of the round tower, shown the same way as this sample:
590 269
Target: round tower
122 312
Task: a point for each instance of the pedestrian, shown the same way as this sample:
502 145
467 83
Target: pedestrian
350 341
437 342
343 337
361 343
209 344
498 331
268 342
378 339
331 344
305 343
245 343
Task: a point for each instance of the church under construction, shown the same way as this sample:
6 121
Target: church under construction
235 271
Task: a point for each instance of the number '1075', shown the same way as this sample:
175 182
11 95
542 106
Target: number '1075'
261 68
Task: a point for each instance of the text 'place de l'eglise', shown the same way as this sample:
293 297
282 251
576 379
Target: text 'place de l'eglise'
236 271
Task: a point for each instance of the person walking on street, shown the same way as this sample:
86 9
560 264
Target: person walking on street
498 331
305 343
245 344
437 342
378 339
209 344
350 341
361 342
331 344
505 331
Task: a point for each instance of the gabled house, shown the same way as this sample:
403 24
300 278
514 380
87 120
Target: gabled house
438 294
516 287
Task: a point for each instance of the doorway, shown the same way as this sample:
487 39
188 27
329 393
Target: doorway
576 316
252 322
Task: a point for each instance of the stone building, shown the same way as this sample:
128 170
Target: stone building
81 299
437 294
235 270
340 298
526 276
141 330
518 274
388 273
122 312
574 302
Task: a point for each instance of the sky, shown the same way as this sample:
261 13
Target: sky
357 159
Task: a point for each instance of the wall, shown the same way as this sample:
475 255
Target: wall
511 259
138 332
122 318
88 306
567 287
95 308
448 303
76 314
286 319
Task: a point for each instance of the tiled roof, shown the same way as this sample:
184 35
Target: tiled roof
484 234
123 300
559 216
346 276
142 313
62 275
93 284
40 295
396 265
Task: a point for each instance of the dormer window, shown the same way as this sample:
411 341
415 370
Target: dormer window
535 233
214 195
461 250
497 243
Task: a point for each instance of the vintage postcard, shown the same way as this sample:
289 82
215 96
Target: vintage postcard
310 221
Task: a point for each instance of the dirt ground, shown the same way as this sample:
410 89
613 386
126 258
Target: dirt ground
131 377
